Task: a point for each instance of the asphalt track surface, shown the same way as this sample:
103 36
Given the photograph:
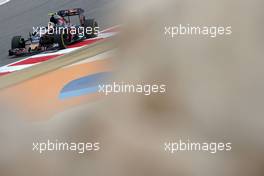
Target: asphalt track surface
18 17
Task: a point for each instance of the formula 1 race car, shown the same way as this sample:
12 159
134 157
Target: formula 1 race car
57 35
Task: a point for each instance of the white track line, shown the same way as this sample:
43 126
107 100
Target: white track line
2 2
110 28
15 68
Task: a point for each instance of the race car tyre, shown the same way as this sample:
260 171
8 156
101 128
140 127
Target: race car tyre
60 40
91 23
18 42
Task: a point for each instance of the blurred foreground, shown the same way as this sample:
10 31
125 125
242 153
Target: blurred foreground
214 94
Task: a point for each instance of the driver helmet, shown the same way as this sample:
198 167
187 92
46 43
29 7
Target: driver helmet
57 20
